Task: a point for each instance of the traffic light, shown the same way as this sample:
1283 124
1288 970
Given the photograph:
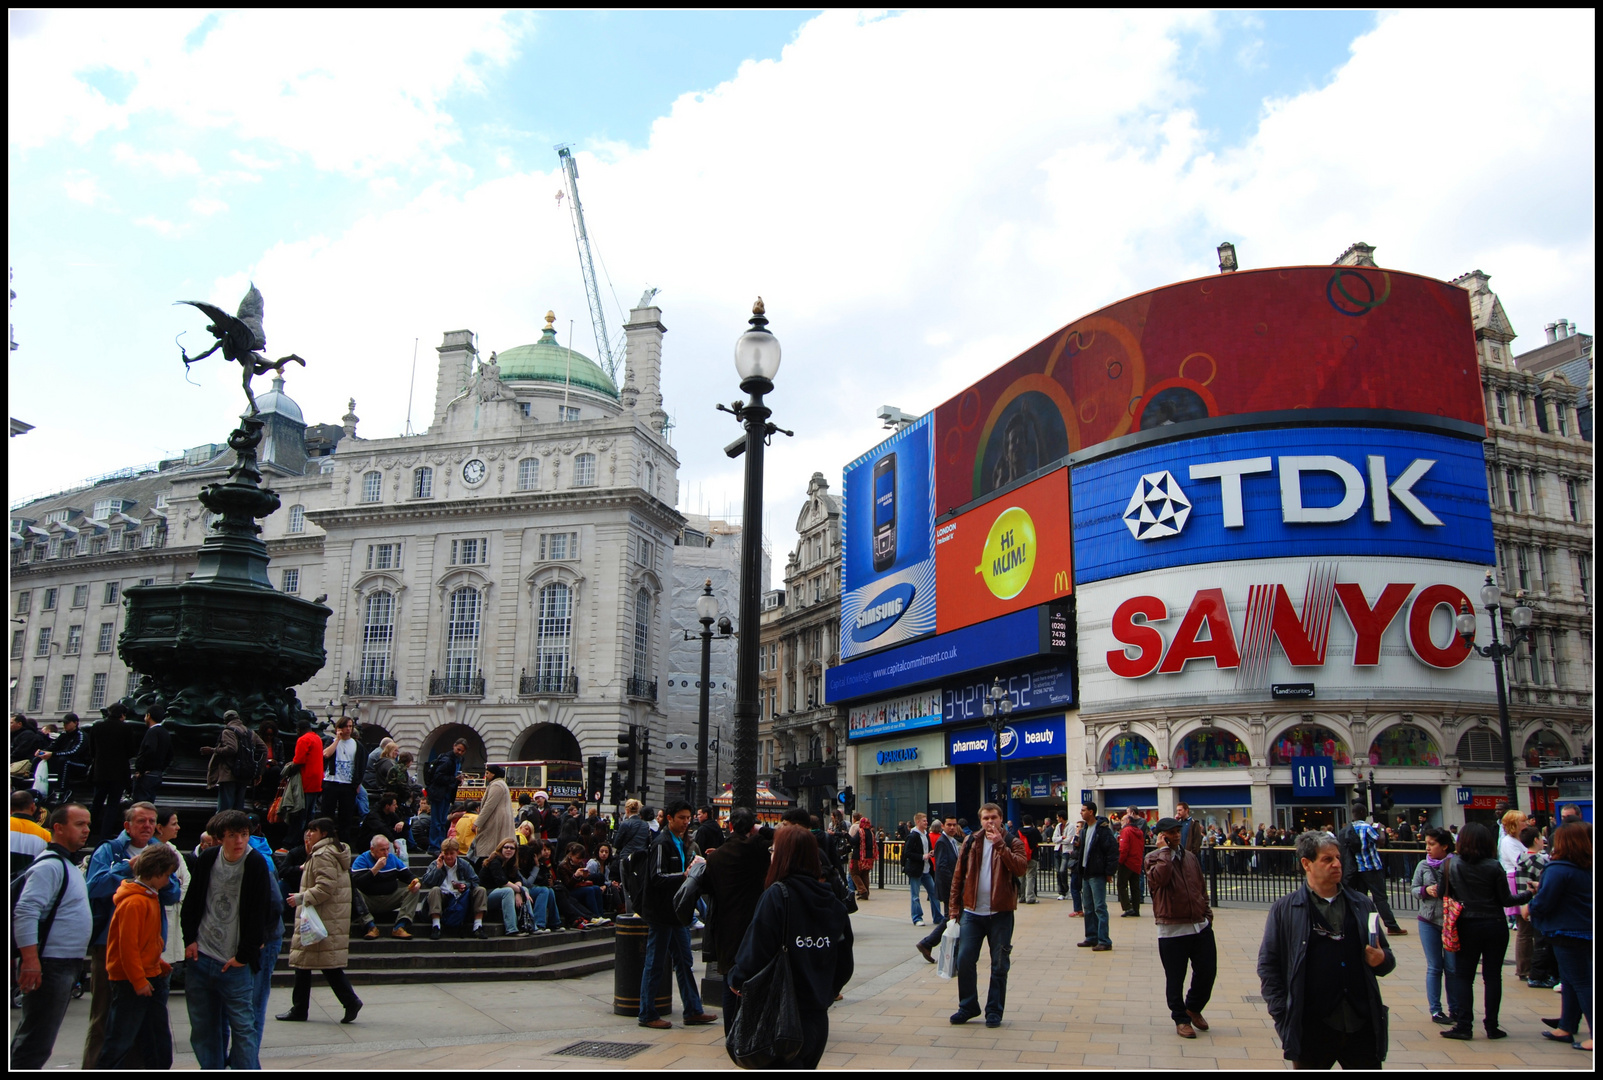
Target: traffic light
626 757
617 789
1361 792
851 799
597 777
1385 800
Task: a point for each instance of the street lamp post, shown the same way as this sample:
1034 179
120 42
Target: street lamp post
1496 652
706 613
996 712
757 362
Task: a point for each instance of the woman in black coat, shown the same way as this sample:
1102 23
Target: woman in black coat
1477 880
799 912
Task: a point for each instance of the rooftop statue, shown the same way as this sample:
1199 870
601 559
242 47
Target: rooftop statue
241 338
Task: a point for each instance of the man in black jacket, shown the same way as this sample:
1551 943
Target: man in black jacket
944 841
155 754
112 743
69 762
733 880
440 782
224 920
916 865
1318 967
667 941
709 834
1099 860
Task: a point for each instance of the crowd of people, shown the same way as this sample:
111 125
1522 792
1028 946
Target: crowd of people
322 830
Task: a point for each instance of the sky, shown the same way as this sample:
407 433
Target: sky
917 196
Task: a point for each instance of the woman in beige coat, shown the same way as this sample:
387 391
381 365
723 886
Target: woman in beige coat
495 815
326 886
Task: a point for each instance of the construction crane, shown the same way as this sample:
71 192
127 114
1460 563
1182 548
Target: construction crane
587 266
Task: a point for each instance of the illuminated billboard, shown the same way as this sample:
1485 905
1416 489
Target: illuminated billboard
1012 552
887 527
1254 341
1298 491
1367 627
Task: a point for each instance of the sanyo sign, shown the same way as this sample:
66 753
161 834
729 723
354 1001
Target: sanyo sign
1372 627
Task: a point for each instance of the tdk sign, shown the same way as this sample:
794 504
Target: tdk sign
1278 493
882 612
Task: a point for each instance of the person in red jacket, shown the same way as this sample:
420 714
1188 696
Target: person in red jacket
308 764
1132 848
137 973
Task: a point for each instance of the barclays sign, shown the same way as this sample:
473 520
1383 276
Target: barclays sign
900 754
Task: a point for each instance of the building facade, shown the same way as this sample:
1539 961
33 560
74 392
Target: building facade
802 734
503 577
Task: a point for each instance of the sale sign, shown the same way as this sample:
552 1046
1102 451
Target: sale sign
1009 553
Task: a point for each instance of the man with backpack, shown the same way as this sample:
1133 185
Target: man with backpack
441 782
667 939
50 929
236 762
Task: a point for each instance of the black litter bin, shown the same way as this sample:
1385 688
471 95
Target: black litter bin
629 963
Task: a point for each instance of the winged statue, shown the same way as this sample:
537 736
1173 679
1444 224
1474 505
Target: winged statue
242 340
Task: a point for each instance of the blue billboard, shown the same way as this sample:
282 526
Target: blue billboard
1263 494
995 641
887 521
1021 739
1044 684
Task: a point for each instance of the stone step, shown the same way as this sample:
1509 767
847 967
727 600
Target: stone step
360 977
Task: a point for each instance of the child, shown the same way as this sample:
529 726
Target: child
138 974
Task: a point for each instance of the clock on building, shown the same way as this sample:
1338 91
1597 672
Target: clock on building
473 472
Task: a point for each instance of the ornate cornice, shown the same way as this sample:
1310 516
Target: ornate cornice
628 499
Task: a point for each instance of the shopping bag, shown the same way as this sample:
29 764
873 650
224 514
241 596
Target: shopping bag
1451 910
41 777
946 963
309 925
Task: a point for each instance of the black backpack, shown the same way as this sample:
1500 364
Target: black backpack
21 880
246 766
636 877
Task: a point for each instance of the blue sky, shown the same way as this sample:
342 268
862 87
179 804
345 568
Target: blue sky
918 195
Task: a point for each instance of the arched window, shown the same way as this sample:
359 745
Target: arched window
1480 747
554 634
371 483
584 470
1308 740
1211 750
528 474
462 636
1404 744
1545 749
378 634
642 635
423 483
1128 753
297 518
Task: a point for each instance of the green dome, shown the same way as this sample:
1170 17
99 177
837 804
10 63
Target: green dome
546 361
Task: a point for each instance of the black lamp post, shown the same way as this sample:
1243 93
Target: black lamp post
706 613
1496 652
757 362
996 712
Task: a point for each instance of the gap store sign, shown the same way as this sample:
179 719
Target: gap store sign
1296 491
1021 740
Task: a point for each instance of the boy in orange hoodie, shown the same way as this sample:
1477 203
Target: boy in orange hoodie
138 974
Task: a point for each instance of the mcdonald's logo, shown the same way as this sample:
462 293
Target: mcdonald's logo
1060 581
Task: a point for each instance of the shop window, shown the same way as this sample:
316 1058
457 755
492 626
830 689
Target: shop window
1545 749
1308 740
1128 753
1211 750
1405 745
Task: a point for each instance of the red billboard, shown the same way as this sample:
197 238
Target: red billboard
1301 337
1012 552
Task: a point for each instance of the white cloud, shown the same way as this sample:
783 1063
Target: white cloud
206 207
82 187
918 198
157 225
168 163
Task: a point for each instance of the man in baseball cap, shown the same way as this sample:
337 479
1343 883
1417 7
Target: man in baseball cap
1185 927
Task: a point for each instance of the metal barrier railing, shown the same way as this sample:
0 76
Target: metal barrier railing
1246 875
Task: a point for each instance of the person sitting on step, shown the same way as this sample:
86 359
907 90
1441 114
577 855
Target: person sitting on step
454 892
383 882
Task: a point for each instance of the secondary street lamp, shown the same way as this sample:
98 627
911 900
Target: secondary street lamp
996 712
706 613
1492 598
757 362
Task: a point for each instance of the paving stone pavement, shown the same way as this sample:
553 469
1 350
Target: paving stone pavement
1067 1008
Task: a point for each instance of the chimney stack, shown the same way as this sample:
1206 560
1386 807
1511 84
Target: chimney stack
1552 332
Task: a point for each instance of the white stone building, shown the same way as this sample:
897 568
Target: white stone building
502 577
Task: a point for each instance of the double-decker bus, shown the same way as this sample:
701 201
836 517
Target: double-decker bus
562 781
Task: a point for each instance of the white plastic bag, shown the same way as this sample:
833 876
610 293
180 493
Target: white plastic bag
41 777
309 925
946 963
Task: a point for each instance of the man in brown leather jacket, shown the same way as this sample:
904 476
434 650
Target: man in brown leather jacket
983 900
1185 927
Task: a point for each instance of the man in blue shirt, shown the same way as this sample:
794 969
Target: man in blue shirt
1360 846
51 937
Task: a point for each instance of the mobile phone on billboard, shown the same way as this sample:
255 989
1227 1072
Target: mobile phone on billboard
885 513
